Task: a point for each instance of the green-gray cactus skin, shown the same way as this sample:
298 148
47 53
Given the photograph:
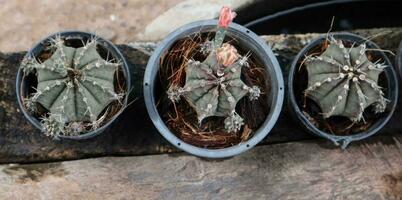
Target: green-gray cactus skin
212 89
75 85
343 82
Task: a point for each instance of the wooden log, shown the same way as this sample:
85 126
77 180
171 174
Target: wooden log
133 133
294 170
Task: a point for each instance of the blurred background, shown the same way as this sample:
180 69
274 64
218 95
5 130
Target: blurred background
24 22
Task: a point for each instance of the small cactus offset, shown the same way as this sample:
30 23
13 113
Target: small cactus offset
75 85
344 82
213 87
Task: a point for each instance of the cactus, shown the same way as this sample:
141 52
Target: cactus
213 87
75 85
344 82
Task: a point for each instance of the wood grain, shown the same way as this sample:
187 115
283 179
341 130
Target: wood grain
295 170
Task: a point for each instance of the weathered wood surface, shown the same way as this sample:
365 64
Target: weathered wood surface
133 133
295 170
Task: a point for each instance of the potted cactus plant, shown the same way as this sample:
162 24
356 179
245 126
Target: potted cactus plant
73 85
342 87
213 88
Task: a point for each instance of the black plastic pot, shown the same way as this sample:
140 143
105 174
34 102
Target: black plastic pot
391 92
245 38
268 17
21 85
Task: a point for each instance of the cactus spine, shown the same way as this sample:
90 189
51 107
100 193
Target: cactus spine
75 85
344 82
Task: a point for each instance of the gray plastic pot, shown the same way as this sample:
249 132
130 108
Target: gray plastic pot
391 93
398 60
21 86
246 39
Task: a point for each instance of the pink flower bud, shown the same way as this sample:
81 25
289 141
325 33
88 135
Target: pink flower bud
226 16
226 55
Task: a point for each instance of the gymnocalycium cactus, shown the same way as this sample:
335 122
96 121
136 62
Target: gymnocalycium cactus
75 85
213 87
344 82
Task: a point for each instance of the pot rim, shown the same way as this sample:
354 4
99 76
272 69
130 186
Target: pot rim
106 44
392 83
277 87
398 60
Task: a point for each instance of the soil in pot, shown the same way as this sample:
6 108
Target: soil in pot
181 118
43 52
335 125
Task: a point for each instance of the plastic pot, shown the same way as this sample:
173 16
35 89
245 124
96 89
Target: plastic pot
398 60
246 39
21 85
391 92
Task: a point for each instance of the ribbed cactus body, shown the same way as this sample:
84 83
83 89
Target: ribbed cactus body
344 82
210 94
74 84
214 86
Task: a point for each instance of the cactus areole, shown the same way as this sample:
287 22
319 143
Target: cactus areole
75 85
221 80
343 80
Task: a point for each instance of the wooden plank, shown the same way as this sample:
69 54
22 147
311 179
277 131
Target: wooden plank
133 133
295 170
